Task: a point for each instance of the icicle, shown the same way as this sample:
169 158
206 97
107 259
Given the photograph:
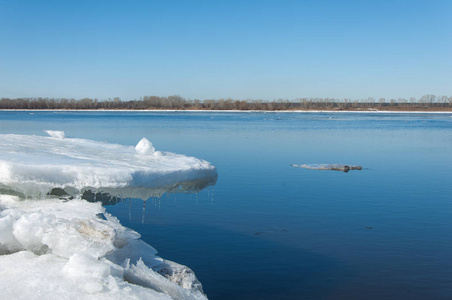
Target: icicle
144 211
130 210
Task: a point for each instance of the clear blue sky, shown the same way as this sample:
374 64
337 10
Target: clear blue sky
220 49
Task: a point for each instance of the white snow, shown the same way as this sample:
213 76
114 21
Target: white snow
34 165
144 147
54 249
55 134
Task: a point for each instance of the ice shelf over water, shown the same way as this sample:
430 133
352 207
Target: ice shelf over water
34 165
68 248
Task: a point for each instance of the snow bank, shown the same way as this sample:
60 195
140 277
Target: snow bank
33 165
54 249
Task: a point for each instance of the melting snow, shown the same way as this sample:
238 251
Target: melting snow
59 249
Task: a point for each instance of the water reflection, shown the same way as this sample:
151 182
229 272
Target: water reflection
169 184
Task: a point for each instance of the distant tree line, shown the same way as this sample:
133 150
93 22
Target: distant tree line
427 102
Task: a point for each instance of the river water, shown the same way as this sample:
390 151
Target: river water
267 230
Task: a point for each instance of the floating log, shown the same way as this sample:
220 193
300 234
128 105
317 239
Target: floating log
333 167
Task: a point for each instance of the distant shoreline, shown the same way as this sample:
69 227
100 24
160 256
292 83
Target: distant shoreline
373 111
427 103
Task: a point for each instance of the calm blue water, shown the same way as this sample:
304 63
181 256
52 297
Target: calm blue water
271 231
